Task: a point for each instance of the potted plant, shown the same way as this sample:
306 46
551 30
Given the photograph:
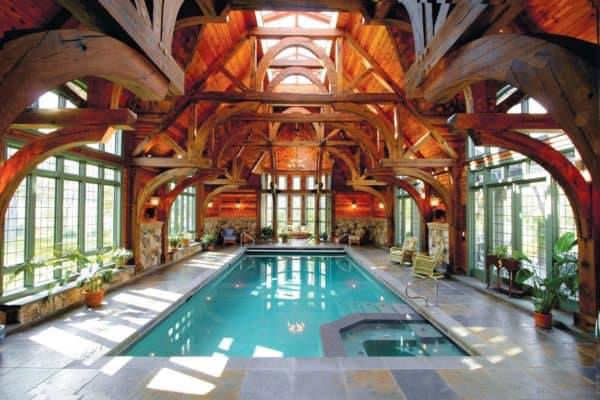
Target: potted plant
266 233
284 237
324 236
208 240
560 282
186 238
119 256
92 277
173 244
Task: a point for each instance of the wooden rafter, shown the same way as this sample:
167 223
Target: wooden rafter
66 117
151 33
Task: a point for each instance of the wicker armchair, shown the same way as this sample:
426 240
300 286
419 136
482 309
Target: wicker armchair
406 252
424 266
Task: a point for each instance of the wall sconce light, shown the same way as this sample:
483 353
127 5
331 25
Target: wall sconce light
354 204
154 201
381 205
210 204
238 204
435 202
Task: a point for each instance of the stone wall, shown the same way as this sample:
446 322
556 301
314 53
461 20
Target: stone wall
184 252
242 224
375 227
150 244
36 306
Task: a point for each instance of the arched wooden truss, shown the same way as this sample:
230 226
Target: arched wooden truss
33 64
217 118
359 137
568 177
423 176
236 136
564 83
294 41
16 168
378 121
290 71
345 159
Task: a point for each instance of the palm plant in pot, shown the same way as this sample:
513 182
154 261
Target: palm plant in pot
119 256
208 241
562 281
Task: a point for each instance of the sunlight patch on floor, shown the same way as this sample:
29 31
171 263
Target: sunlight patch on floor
142 302
67 343
114 365
212 366
158 293
168 380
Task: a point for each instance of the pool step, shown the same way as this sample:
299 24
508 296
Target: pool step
364 307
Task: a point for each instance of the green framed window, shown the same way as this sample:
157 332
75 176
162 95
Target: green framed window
65 203
408 218
182 218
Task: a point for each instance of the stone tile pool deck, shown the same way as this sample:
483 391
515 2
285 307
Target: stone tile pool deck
68 357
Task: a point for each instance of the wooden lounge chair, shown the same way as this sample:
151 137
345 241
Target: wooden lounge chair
405 253
424 266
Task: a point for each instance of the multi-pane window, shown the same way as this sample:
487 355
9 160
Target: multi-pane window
501 217
310 212
296 182
182 218
324 213
267 210
282 212
296 211
58 207
525 211
533 224
409 219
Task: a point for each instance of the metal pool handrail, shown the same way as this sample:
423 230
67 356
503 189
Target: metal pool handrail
435 280
242 238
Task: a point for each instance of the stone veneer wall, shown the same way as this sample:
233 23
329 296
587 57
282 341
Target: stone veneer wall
36 306
376 228
184 252
240 225
150 244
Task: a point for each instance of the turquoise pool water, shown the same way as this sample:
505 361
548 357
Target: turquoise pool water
267 306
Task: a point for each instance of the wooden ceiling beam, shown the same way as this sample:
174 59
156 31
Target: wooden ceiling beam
298 117
502 122
168 162
199 20
296 98
286 63
417 163
122 118
279 33
154 37
298 5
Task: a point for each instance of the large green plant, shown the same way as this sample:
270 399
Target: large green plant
560 282
266 233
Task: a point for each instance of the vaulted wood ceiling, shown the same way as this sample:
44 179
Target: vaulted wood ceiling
217 56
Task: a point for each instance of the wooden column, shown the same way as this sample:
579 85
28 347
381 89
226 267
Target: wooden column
339 65
258 214
254 84
389 215
589 270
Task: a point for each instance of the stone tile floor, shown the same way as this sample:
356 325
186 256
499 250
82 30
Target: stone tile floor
69 357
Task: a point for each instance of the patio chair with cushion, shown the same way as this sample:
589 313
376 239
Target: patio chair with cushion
405 253
424 266
229 236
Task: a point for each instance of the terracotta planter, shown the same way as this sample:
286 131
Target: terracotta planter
542 320
94 299
185 243
210 247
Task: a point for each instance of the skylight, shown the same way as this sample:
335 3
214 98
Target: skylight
295 55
